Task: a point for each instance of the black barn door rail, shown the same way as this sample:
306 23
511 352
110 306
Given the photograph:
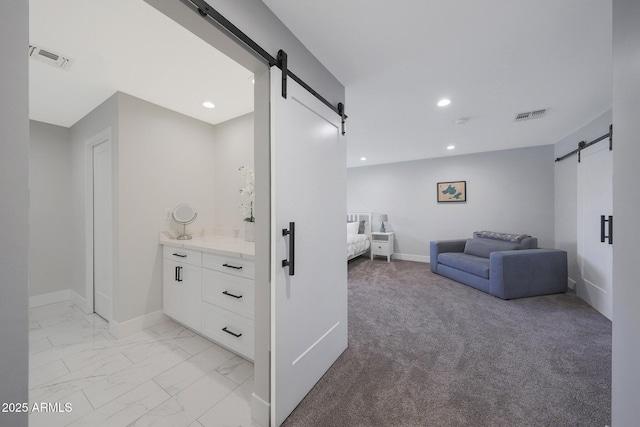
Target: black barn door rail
205 10
583 144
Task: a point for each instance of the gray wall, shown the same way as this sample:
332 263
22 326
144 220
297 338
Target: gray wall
509 191
50 208
233 148
626 205
14 201
164 159
566 187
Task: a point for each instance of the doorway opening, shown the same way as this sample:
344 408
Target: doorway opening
133 158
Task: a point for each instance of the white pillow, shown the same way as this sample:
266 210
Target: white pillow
352 227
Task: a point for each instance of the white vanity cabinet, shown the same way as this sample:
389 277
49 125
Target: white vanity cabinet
212 293
227 302
182 286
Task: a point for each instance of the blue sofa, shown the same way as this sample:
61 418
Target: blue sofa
504 265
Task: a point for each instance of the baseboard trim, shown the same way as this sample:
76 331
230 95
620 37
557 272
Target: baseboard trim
571 284
260 410
50 298
138 324
410 257
79 301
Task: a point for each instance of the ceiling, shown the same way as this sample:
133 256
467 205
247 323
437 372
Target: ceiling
128 46
492 59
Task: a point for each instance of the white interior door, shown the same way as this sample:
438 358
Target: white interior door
308 182
102 230
595 258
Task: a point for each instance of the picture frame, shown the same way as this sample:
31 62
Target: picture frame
452 191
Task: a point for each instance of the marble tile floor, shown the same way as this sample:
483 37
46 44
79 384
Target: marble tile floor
163 376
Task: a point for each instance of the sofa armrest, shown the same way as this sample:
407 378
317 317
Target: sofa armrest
528 272
440 246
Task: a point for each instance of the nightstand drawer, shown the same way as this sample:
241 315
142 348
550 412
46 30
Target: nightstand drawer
380 248
380 237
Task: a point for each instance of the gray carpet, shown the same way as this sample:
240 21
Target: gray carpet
428 351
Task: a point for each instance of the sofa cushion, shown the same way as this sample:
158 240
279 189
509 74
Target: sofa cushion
478 266
484 247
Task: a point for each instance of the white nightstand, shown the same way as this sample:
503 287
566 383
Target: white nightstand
382 244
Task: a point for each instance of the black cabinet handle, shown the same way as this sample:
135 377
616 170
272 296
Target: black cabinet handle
180 255
176 275
232 295
231 333
179 274
291 262
232 266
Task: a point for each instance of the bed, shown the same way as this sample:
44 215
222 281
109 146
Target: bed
358 234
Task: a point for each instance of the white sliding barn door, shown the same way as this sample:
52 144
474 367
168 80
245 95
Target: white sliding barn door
595 258
308 182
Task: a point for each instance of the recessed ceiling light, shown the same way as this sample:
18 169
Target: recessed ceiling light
363 158
451 147
208 104
444 102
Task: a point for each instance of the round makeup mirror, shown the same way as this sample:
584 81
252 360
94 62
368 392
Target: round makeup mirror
184 214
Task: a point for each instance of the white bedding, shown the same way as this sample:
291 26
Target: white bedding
357 244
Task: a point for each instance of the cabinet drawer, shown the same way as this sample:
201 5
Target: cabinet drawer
229 329
230 265
234 293
187 256
380 248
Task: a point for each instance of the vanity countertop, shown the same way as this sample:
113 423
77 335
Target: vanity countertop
221 245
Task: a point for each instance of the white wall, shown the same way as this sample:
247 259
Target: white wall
49 209
164 159
566 187
507 191
14 201
626 205
233 148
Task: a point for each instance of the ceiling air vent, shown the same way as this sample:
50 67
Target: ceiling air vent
530 115
49 57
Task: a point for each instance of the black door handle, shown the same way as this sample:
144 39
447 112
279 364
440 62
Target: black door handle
291 262
603 235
